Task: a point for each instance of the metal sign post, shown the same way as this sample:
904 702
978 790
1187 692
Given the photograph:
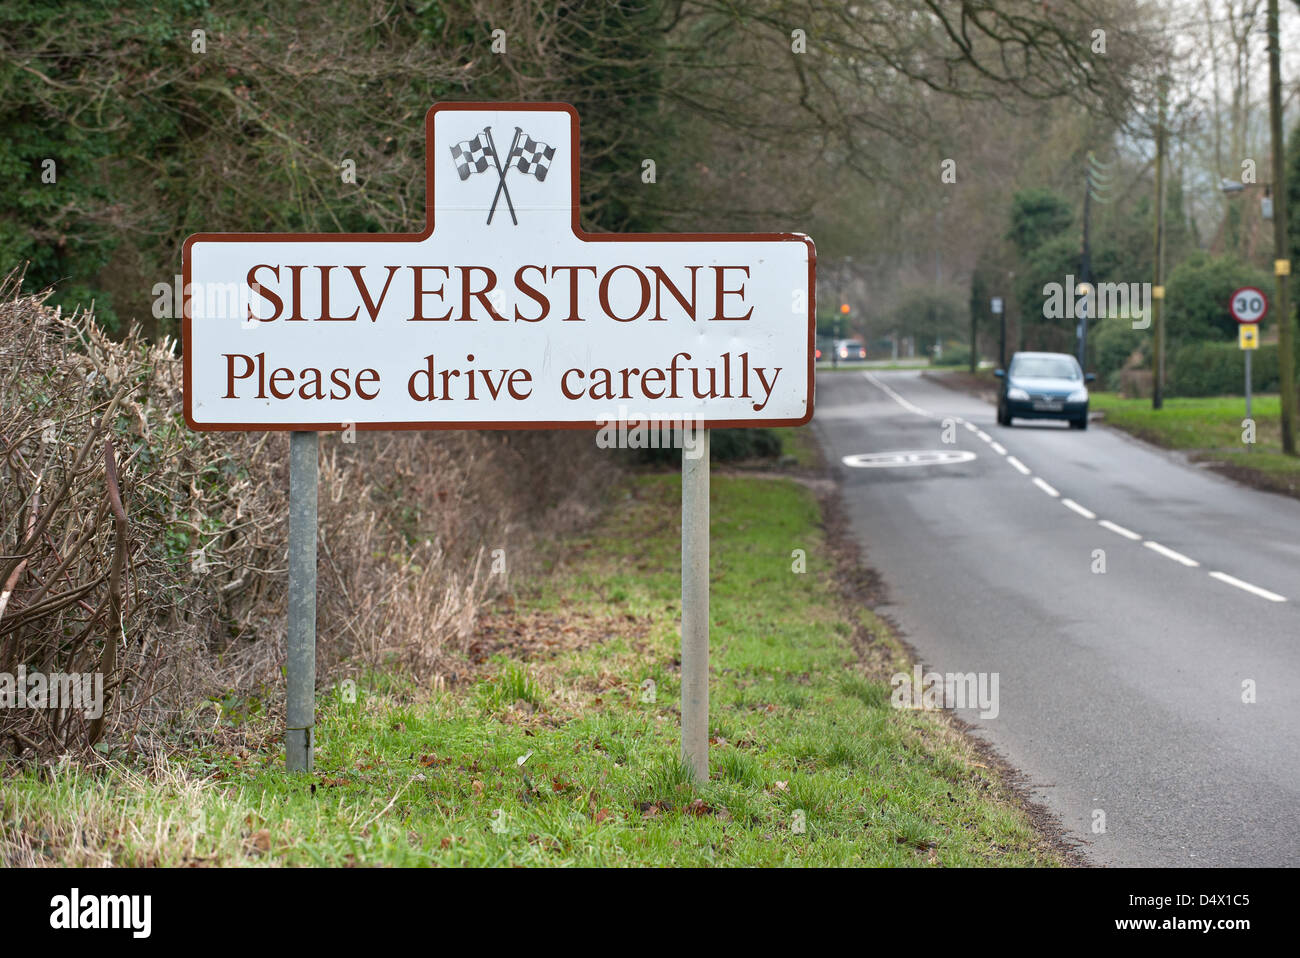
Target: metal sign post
485 320
996 306
300 722
1248 416
1248 305
1248 340
695 609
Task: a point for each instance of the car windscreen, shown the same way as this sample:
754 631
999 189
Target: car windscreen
1045 367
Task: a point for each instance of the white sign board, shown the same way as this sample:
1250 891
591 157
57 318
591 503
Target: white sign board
503 313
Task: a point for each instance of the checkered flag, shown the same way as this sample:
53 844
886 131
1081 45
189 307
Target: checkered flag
531 156
473 156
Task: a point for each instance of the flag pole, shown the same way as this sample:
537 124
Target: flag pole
501 184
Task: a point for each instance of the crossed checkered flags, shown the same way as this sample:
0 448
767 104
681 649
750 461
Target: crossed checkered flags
527 155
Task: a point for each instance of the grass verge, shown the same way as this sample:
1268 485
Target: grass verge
562 752
1210 430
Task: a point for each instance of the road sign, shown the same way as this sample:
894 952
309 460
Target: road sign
503 312
1248 305
996 305
1248 340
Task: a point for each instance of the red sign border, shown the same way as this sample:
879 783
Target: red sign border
1233 298
428 231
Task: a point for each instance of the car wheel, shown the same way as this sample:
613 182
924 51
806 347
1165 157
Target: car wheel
1079 423
1003 418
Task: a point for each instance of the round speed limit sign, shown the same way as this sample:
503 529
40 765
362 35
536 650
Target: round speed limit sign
1248 305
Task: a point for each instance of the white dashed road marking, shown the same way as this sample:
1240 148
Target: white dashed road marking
1253 589
1068 503
1042 484
1169 553
1126 533
1071 504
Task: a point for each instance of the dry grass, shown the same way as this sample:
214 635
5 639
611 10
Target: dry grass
179 594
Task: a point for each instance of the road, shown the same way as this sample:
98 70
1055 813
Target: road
1120 692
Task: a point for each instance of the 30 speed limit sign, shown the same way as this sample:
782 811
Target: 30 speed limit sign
1248 305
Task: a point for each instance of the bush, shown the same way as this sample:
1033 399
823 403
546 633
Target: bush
725 445
1218 369
137 548
1111 342
954 356
1196 305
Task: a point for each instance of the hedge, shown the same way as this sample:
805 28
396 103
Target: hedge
1217 369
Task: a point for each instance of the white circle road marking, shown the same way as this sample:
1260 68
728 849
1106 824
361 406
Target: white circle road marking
914 457
1020 467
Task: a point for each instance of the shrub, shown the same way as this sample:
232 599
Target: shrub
725 445
1112 341
1217 369
169 577
1196 304
954 356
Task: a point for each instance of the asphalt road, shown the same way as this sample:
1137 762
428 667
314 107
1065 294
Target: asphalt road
1118 692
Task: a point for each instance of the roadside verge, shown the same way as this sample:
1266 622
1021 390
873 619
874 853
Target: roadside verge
563 751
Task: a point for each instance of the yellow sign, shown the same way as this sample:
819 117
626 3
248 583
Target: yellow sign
1248 336
1281 267
1157 292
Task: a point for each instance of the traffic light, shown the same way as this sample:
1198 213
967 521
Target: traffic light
844 308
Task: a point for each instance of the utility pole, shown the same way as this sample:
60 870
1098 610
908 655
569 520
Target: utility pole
1158 289
1085 261
1281 250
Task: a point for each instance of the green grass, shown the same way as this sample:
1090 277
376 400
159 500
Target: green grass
798 443
1210 428
563 760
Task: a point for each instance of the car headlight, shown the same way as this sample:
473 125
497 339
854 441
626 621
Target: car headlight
1079 395
1015 392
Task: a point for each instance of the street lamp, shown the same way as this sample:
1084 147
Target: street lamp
1231 187
1085 291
